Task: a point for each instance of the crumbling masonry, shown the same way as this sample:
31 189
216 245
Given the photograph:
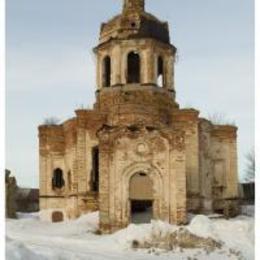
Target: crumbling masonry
136 148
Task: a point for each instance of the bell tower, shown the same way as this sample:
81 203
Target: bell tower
134 54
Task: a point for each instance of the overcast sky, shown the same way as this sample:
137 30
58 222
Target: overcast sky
51 68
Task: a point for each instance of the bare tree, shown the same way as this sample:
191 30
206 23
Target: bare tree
51 121
250 166
220 119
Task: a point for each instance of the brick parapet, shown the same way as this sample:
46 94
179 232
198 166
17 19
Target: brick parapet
51 139
186 115
224 132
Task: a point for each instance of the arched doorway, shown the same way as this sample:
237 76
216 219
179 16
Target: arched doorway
141 198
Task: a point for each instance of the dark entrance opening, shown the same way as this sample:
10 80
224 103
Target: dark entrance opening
141 198
95 169
141 211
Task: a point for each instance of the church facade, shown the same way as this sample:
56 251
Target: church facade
137 150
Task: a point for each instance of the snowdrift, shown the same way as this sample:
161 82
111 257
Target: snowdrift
204 238
18 251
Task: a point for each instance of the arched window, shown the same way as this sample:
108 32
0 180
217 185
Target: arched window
107 72
133 68
160 72
57 179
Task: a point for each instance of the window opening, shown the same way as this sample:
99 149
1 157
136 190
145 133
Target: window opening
107 72
57 179
160 72
95 169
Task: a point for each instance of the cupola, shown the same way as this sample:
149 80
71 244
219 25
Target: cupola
134 53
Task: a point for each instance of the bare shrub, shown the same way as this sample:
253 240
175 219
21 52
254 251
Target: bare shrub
51 121
220 119
181 238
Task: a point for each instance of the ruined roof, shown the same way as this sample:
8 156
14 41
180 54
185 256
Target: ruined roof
134 23
27 194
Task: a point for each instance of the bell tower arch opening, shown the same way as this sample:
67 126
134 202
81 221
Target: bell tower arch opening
141 198
133 67
160 72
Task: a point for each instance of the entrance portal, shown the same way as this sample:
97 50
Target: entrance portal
141 198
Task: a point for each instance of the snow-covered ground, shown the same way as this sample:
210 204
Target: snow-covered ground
29 238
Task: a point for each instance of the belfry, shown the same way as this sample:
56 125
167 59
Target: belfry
137 155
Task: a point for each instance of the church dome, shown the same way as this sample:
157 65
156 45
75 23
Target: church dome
134 23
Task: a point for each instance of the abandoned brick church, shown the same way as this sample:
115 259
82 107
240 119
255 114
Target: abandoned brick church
136 150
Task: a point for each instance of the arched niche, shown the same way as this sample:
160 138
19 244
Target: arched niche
160 72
